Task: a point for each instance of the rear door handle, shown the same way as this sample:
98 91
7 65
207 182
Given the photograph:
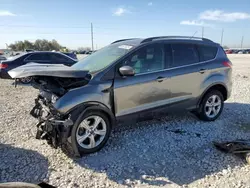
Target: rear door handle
160 79
202 71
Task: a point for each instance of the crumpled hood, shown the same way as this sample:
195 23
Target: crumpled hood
55 70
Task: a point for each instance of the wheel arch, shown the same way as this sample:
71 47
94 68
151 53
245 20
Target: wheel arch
80 109
216 86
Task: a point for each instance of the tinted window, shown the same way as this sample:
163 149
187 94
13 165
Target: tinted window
207 52
168 55
37 57
184 54
147 59
58 58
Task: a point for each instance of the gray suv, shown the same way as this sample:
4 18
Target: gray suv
78 106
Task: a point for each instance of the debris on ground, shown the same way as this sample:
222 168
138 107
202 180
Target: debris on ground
238 147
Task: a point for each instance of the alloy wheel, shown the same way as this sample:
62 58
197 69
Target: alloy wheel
213 106
91 132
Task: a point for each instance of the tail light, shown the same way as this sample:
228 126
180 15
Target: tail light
227 64
3 66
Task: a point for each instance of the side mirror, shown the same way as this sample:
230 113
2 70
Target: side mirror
126 71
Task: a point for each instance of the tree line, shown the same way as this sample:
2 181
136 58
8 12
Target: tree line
39 44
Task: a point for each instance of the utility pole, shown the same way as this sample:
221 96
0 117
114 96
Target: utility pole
241 42
202 35
221 40
92 38
96 47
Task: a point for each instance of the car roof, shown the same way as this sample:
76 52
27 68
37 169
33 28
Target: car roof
61 53
132 41
43 52
184 39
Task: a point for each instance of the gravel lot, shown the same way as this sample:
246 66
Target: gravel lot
146 154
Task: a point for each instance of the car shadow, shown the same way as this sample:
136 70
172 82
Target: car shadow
170 150
20 84
22 165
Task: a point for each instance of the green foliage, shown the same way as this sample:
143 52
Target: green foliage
41 45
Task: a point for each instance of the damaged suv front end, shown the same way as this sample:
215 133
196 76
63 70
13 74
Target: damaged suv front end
75 105
53 82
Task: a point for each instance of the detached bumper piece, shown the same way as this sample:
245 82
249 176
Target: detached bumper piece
52 127
25 185
239 147
54 131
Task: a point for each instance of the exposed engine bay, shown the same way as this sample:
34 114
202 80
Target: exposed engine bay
58 85
53 126
60 102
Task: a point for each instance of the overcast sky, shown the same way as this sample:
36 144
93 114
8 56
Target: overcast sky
68 21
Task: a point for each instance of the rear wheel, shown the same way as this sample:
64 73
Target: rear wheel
211 106
91 132
248 158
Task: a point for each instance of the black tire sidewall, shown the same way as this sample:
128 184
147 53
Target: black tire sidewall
202 114
81 150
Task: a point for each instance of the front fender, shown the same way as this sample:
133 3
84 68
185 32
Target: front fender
83 108
90 93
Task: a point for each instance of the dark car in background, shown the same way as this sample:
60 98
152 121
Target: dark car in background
2 58
235 51
89 52
228 51
33 57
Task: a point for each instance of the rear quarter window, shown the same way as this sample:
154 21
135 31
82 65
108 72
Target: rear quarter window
184 54
207 52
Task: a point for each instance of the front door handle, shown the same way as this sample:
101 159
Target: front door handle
202 71
160 79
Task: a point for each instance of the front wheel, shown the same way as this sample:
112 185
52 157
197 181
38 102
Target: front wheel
91 132
25 80
211 106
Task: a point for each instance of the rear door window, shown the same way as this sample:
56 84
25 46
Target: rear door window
184 54
58 58
207 52
37 57
168 55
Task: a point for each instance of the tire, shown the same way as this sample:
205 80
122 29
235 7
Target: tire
25 80
210 103
79 132
247 156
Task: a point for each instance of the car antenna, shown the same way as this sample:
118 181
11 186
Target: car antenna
193 34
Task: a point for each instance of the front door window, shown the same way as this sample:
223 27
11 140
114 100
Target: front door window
147 59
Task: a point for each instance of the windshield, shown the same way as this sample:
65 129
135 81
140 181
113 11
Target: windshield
102 58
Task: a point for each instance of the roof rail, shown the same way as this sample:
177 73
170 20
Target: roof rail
123 40
175 37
